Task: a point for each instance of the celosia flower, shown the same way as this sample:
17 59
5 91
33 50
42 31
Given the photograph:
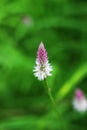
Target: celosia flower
42 68
79 102
27 20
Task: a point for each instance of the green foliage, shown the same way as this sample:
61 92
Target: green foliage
62 26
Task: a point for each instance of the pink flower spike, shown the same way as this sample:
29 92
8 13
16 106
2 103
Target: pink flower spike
42 54
43 68
80 102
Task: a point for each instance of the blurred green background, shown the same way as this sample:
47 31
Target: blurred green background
62 26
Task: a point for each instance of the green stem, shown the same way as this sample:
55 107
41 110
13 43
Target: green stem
53 102
50 95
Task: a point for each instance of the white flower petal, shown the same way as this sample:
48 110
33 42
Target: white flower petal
80 105
41 72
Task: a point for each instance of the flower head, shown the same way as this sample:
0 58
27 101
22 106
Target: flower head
80 102
27 20
43 68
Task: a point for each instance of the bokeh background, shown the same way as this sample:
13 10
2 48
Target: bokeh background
62 26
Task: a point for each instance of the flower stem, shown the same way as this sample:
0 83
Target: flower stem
54 104
50 95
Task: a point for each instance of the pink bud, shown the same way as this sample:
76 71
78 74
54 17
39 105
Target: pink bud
79 94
